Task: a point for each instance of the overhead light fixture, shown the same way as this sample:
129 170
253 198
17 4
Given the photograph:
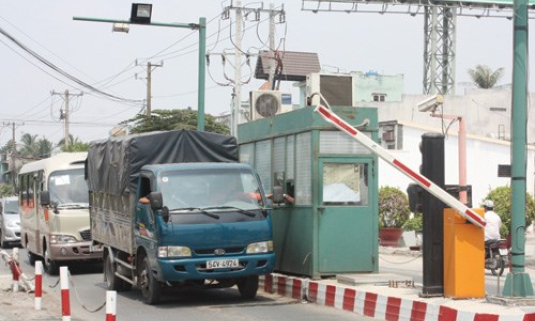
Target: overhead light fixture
120 27
141 13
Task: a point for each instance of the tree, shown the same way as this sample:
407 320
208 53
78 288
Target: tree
6 190
29 146
162 120
44 148
484 77
75 145
501 197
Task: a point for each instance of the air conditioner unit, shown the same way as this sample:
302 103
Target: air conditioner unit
265 103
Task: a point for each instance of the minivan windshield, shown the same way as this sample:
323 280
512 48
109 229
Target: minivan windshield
216 189
11 207
68 187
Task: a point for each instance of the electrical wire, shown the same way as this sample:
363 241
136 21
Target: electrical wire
63 72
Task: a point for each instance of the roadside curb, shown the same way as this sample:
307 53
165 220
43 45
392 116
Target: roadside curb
373 304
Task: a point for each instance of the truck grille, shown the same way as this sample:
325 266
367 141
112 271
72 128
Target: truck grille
86 235
228 250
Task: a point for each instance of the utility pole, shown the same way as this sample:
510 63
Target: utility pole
272 46
236 93
65 114
237 70
150 68
13 167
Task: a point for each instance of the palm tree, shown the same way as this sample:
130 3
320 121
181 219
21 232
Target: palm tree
29 145
484 77
44 148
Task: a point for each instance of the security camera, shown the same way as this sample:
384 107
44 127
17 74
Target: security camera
431 103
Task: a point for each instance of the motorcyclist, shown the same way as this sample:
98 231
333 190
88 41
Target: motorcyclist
494 222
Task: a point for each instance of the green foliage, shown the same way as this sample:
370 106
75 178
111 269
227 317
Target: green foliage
6 190
484 77
76 147
414 224
501 197
34 147
163 120
394 208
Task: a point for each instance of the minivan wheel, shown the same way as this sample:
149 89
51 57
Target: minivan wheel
3 243
51 267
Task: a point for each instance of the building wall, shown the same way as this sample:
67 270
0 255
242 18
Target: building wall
483 157
487 112
369 84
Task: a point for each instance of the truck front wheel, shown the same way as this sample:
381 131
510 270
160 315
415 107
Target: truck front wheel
248 287
150 288
114 282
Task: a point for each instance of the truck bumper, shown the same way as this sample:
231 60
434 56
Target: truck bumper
73 252
195 268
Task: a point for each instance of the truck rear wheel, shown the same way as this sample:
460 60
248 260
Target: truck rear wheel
150 288
248 287
114 282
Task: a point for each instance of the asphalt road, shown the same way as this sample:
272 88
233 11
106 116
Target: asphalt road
88 291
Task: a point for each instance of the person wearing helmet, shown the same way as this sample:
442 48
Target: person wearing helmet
494 222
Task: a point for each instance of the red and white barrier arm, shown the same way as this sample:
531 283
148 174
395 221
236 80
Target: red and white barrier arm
421 180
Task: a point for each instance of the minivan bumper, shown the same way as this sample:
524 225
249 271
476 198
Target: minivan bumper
73 251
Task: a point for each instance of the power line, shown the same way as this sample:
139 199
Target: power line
63 72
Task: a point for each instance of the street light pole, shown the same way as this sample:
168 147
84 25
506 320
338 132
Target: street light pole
201 26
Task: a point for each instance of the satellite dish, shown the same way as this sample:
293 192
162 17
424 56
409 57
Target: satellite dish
267 105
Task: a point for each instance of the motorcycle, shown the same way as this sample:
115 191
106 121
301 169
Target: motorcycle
496 254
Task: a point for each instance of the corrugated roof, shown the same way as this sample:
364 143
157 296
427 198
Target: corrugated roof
295 65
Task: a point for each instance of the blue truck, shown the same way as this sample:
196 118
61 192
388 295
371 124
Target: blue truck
176 209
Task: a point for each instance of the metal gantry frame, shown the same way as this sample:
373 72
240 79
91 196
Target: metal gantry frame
439 50
440 29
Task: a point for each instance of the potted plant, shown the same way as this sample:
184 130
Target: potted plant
394 212
415 225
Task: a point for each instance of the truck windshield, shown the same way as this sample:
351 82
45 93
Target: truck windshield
68 188
215 189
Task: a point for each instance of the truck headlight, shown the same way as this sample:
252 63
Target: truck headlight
174 251
55 239
260 247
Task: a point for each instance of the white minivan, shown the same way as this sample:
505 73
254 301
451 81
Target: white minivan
54 207
9 221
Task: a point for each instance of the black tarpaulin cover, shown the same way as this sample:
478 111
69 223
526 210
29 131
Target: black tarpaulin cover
113 165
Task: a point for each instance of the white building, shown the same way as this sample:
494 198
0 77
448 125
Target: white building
487 114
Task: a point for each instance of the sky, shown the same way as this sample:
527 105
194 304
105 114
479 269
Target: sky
32 92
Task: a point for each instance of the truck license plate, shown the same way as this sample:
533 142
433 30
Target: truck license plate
221 264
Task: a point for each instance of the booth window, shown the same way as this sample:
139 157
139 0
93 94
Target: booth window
345 184
303 169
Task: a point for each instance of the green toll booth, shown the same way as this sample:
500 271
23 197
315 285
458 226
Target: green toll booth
332 227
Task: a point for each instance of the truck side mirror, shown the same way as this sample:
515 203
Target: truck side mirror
278 195
156 200
44 196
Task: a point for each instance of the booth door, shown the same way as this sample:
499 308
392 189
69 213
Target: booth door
346 228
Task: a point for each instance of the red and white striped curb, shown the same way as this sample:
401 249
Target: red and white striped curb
367 303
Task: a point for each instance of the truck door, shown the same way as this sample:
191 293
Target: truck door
145 228
346 215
